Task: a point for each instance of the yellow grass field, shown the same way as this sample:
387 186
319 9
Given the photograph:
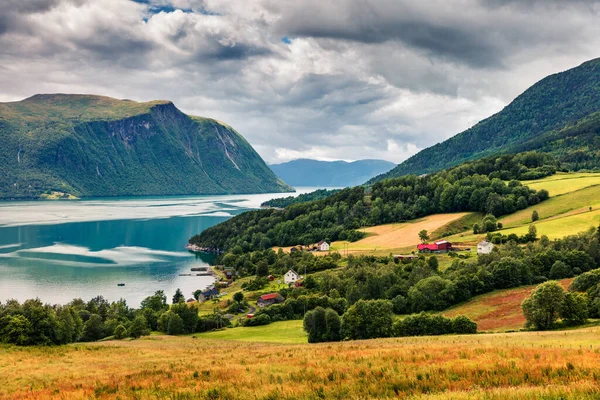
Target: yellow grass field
561 183
383 239
524 365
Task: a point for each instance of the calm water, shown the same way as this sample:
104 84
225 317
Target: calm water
58 251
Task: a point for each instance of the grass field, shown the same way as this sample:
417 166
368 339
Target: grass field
499 310
395 238
561 183
277 332
531 365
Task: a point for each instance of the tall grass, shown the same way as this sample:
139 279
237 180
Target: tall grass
522 365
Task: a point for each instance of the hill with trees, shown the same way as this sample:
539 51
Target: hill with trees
478 186
304 172
560 115
86 145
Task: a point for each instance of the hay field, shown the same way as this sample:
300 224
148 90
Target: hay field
398 237
532 365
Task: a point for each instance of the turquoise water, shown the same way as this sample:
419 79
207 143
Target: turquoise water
62 250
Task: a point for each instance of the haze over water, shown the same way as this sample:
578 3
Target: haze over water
62 250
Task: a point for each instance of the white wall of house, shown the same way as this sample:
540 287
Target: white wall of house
324 246
290 277
485 248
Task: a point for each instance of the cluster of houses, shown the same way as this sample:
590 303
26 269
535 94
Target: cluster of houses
321 246
443 246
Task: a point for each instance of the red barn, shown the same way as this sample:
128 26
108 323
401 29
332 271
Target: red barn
439 246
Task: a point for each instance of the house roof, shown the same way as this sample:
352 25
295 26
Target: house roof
484 243
270 296
292 271
442 242
426 246
210 292
321 242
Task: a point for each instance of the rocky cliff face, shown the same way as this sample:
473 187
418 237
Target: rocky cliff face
96 146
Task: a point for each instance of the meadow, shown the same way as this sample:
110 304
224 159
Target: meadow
395 238
499 310
531 365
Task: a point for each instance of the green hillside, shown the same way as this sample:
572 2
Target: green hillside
98 146
560 114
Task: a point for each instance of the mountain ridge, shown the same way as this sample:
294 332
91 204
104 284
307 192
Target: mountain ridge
309 172
553 104
89 146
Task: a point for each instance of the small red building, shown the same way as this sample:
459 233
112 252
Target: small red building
268 299
437 247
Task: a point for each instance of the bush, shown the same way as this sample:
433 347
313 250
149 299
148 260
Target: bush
120 332
463 325
423 324
322 325
257 320
368 319
574 309
139 327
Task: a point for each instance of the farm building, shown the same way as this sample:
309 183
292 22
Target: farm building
441 246
208 295
323 246
291 276
484 247
268 299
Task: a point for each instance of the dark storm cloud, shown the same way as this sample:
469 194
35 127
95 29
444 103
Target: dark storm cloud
352 79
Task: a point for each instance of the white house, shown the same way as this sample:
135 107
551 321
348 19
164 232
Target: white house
323 246
484 247
291 276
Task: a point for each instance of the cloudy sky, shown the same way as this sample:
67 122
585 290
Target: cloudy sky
325 79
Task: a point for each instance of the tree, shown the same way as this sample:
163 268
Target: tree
178 297
368 319
120 332
476 229
463 325
17 330
433 263
138 327
262 268
574 309
238 297
542 308
423 235
532 233
93 329
333 325
432 293
560 270
315 325
534 216
171 323
489 223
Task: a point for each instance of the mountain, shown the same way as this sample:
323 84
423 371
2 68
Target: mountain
560 114
304 172
86 145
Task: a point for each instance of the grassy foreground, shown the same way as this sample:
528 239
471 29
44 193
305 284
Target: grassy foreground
550 365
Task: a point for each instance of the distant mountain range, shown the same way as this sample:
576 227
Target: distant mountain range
305 172
84 145
559 115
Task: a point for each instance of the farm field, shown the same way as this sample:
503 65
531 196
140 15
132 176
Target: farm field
499 310
277 332
561 182
549 365
566 212
398 237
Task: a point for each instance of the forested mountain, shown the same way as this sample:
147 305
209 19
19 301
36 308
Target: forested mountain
304 172
98 146
559 114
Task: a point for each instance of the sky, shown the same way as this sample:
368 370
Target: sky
322 79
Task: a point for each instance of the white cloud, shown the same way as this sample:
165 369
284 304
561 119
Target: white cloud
356 79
